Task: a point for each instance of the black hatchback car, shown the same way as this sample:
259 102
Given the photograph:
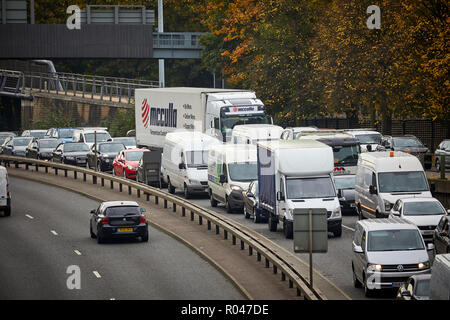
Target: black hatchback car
118 219
41 148
106 152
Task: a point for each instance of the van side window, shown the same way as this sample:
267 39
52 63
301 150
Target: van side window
216 123
282 187
374 179
367 177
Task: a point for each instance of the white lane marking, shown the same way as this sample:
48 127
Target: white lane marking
54 232
29 217
77 252
96 274
351 229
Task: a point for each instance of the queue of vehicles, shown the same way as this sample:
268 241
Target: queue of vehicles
237 157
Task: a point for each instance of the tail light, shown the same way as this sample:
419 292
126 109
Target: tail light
142 219
105 220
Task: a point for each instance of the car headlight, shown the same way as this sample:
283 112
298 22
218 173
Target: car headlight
131 167
336 213
423 265
235 188
374 267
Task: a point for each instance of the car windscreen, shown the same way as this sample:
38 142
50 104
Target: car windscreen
37 134
310 188
406 142
134 156
422 288
228 122
66 133
197 158
75 147
21 142
110 147
424 208
122 211
101 136
129 142
344 182
47 144
369 138
394 240
413 181
346 155
243 171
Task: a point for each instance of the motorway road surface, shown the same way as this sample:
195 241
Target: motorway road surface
48 231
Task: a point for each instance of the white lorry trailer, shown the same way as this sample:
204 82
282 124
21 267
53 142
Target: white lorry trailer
211 111
295 174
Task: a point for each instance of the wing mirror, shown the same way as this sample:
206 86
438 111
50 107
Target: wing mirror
181 166
93 211
430 247
280 196
358 249
396 213
250 195
373 190
222 178
406 293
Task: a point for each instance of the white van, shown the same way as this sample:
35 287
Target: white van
231 169
88 136
384 177
5 195
253 133
184 162
366 137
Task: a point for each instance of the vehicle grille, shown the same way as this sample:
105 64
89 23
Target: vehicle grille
394 268
427 227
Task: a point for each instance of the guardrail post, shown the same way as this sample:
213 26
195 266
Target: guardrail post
56 171
83 86
84 177
65 173
233 240
209 225
156 200
225 234
111 184
267 263
200 220
174 207
242 245
46 169
275 270
283 276
26 166
129 190
37 168
103 182
120 187
94 179
165 203
183 211
192 216
291 284
258 256
217 229
442 163
250 250
148 196
75 175
138 191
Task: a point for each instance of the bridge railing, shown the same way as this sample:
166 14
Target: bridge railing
71 84
281 260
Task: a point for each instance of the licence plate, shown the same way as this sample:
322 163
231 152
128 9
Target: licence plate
125 230
352 205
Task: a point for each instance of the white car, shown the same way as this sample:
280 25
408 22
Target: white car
425 213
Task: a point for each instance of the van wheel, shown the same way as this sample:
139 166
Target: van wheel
187 195
170 187
288 229
212 200
338 232
272 223
227 205
246 214
7 212
356 283
367 292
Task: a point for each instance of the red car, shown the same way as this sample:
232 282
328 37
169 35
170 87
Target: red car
126 162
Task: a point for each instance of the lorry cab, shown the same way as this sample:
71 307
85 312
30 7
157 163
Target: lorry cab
346 148
384 177
231 169
253 133
297 174
184 162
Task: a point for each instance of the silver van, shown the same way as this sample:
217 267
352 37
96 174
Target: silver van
386 252
384 177
5 195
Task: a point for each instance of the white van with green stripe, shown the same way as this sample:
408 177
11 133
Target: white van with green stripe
231 169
